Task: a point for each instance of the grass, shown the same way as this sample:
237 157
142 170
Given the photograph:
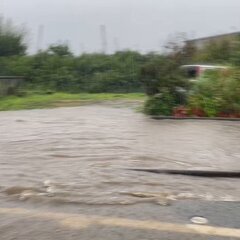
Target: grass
37 101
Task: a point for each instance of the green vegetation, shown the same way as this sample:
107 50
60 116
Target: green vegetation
11 40
92 73
33 101
161 104
55 77
163 82
217 94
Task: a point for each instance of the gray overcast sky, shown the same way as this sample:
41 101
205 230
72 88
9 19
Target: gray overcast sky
136 24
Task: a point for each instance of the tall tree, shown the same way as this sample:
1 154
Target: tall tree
11 40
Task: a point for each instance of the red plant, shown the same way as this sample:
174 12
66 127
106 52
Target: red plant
180 111
229 115
198 112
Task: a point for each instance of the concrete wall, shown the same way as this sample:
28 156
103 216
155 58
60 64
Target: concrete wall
9 85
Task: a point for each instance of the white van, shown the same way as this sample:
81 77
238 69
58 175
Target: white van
195 71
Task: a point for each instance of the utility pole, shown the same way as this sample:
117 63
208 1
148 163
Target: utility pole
1 8
82 48
103 36
40 37
116 44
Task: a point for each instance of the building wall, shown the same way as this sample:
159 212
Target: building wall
200 43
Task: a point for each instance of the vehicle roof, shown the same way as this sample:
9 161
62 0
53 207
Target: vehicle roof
203 66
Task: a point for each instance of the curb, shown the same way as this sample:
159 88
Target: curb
195 118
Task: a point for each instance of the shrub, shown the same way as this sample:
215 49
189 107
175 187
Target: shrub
160 104
216 93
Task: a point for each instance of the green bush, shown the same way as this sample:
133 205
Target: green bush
57 70
210 106
216 93
160 104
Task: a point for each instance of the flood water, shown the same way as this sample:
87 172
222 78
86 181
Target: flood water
81 155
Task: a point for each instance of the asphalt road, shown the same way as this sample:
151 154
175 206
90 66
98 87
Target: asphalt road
140 221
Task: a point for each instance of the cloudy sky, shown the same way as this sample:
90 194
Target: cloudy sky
143 25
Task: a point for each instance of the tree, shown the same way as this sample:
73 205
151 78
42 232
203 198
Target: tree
180 50
59 50
11 40
160 74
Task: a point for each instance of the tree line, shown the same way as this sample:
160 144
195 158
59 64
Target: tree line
57 69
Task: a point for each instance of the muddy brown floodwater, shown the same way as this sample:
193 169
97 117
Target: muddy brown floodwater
80 155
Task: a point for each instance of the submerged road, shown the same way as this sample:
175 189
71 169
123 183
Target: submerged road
64 175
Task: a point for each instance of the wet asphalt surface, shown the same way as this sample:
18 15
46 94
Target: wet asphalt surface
18 227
